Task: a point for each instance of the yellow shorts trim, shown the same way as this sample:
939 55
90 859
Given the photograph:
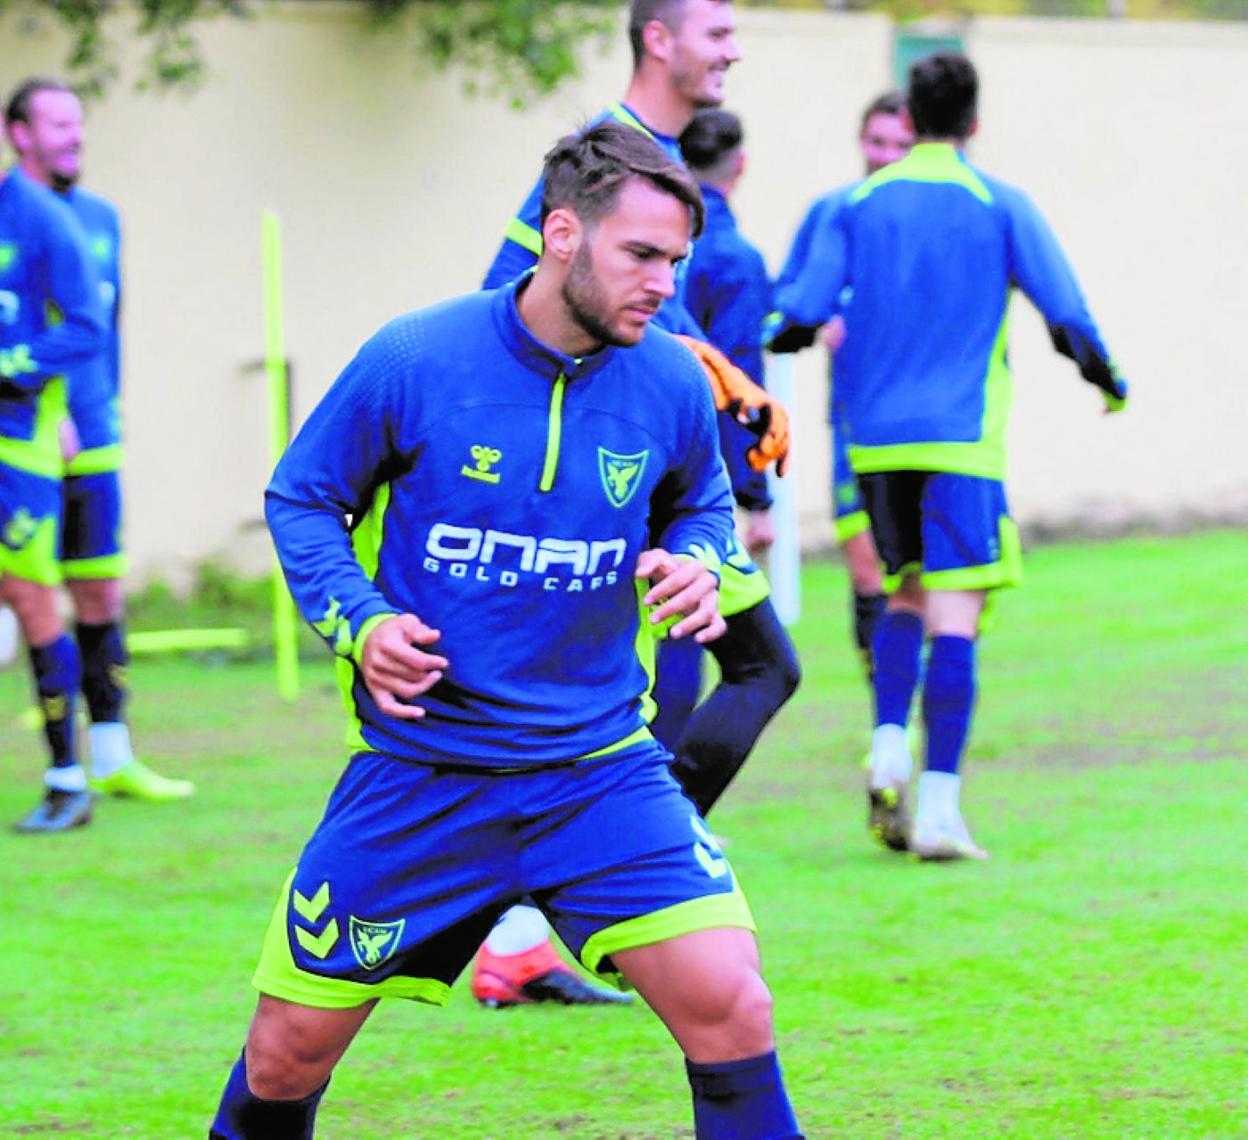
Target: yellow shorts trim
706 913
278 976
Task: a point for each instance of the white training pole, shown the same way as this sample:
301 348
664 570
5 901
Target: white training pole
784 562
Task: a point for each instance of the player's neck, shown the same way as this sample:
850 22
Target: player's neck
651 98
545 314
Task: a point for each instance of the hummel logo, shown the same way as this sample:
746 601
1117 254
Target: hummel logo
483 459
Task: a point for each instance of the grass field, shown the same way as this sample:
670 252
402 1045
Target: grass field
1088 981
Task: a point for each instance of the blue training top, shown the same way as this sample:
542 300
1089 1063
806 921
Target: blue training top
502 492
728 293
930 248
49 317
95 388
522 239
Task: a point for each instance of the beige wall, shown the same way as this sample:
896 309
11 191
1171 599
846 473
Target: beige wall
393 190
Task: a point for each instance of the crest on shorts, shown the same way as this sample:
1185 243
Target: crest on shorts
374 943
621 474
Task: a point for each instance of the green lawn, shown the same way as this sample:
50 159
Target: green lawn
1088 981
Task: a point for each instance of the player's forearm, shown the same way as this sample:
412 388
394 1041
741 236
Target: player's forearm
328 585
30 365
1080 342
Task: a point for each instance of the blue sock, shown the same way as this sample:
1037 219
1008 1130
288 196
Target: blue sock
58 673
244 1116
103 650
741 1100
898 647
868 609
948 700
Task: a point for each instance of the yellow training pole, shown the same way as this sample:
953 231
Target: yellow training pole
285 648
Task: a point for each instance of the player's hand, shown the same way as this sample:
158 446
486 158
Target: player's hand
71 445
396 667
832 335
681 588
760 532
1118 400
749 405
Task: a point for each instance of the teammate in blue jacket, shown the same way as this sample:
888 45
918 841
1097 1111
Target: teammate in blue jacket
44 123
502 461
682 50
930 249
50 323
884 136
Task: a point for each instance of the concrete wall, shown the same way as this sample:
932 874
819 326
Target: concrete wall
393 188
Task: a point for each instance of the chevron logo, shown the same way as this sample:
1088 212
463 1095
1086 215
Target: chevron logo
318 945
312 908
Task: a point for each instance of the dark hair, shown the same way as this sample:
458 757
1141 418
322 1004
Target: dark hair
587 170
943 95
890 103
669 13
17 110
712 134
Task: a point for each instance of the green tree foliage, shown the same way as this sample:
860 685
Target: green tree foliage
513 48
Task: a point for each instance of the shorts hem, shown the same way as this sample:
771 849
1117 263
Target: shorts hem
706 913
851 525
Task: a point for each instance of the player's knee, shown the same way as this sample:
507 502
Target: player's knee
744 1027
285 1065
97 601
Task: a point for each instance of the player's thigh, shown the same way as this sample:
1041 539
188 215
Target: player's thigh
970 543
400 882
623 859
30 526
893 503
91 530
707 988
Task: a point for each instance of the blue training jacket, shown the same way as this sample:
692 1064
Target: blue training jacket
522 239
50 320
929 249
95 388
502 492
728 293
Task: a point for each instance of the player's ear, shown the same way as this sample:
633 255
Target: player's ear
562 233
908 120
656 39
19 136
974 127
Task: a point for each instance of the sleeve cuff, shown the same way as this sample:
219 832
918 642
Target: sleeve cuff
370 624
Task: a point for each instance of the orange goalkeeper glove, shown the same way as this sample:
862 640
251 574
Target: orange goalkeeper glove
747 403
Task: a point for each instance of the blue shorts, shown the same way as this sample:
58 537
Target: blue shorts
849 513
91 527
953 530
412 864
30 525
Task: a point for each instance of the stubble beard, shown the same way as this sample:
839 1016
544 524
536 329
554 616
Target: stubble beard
582 294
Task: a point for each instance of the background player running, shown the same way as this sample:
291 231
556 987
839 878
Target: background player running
932 248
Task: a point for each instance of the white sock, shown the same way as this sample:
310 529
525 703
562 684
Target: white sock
110 748
10 637
521 928
938 799
71 779
891 762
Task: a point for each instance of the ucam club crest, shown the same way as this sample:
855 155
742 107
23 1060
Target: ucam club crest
374 943
621 474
